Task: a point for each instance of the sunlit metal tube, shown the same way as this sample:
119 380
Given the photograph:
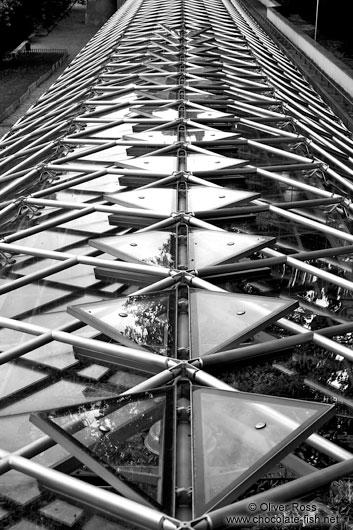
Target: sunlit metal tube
81 154
326 343
30 160
281 152
156 270
310 223
241 266
40 340
142 357
194 221
295 183
157 286
155 381
160 224
203 284
38 275
48 224
17 182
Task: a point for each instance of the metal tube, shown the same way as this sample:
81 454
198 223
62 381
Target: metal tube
295 183
47 224
87 494
194 221
318 339
38 275
28 161
326 252
234 211
241 266
274 150
18 182
292 490
338 329
159 225
157 286
40 340
45 442
316 18
314 225
143 358
161 379
307 203
316 386
253 352
149 270
327 276
202 284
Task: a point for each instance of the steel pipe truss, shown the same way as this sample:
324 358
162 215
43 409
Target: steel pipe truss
176 205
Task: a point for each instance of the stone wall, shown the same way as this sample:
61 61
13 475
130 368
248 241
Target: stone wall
325 60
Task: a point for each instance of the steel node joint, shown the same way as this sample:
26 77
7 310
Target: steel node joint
169 524
184 526
184 414
184 497
202 524
177 275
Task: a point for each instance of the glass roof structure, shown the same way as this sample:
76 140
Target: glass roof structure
177 203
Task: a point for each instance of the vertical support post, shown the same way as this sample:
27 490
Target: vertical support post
316 18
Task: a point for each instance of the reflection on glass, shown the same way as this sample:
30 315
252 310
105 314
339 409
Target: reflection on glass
126 436
240 434
207 247
161 199
63 392
16 379
220 320
144 321
14 429
201 198
154 247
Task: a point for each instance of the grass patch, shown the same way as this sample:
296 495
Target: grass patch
17 74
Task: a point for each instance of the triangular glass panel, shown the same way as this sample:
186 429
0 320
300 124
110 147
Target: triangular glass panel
159 165
154 247
127 441
202 198
165 136
207 247
194 110
211 162
199 198
238 437
220 320
166 165
163 200
170 136
104 156
208 135
144 322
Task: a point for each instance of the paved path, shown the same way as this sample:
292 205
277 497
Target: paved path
70 33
